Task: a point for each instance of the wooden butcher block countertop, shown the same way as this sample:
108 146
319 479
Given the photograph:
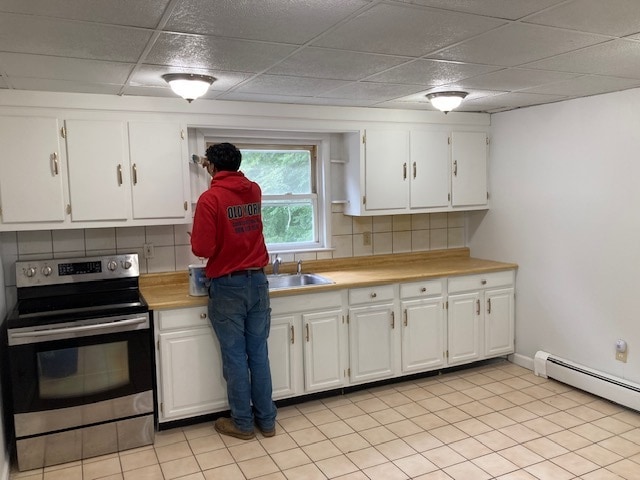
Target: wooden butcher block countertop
171 290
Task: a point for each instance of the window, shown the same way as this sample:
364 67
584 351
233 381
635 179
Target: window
288 175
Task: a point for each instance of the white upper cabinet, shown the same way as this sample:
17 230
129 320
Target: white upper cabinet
386 162
469 178
160 184
31 171
395 171
98 165
429 169
113 172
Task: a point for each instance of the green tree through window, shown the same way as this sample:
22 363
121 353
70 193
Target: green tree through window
289 202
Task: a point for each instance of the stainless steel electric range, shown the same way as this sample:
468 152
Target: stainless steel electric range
80 360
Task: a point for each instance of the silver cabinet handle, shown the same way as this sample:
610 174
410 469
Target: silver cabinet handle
203 315
292 336
393 320
414 170
405 317
119 174
54 157
489 305
404 171
423 289
135 174
307 328
455 168
374 295
477 307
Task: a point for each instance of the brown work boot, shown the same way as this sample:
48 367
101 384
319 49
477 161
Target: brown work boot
225 426
267 433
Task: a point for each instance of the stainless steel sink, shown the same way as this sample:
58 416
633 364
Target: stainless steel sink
296 280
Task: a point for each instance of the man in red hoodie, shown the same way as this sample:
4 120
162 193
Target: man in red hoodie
227 230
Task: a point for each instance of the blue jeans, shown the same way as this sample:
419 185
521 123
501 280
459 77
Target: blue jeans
240 313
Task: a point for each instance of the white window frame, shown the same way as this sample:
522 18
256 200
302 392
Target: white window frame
320 199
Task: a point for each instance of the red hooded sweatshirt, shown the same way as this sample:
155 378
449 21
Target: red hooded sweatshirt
227 226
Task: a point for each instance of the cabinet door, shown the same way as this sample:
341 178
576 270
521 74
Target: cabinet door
31 185
282 338
371 342
158 166
469 174
429 169
191 374
464 328
323 362
386 169
98 162
499 322
423 341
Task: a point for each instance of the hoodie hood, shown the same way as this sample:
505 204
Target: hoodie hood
235 181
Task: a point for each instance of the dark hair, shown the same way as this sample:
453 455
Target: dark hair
224 156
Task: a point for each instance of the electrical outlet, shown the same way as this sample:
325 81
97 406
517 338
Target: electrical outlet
621 356
148 250
366 238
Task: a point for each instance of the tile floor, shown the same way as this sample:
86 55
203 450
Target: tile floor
497 421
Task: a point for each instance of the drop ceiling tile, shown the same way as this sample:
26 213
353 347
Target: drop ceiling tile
296 86
405 30
335 64
287 21
213 53
379 92
516 44
619 58
151 76
508 100
149 91
255 97
71 39
509 9
431 72
60 68
514 79
613 17
585 85
117 12
22 83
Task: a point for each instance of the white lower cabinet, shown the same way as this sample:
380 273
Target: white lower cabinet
423 325
311 355
480 316
373 335
282 356
189 364
324 344
324 341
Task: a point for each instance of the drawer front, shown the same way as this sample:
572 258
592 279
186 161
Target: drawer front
182 318
378 293
480 281
425 288
305 303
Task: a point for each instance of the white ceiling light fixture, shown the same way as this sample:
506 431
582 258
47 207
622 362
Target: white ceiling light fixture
446 101
189 85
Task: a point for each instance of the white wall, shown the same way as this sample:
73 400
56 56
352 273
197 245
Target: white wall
565 197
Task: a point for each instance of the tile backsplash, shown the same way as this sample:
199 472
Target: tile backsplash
172 251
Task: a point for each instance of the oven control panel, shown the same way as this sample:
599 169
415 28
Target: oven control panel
72 270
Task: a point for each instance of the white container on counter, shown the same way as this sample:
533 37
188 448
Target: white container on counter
198 282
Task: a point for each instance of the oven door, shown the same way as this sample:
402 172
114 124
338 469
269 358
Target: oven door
80 373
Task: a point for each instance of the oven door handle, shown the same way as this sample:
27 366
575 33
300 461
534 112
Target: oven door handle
117 325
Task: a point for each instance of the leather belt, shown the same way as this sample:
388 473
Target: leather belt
246 273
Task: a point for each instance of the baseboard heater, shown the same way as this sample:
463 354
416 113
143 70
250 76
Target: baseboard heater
598 383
